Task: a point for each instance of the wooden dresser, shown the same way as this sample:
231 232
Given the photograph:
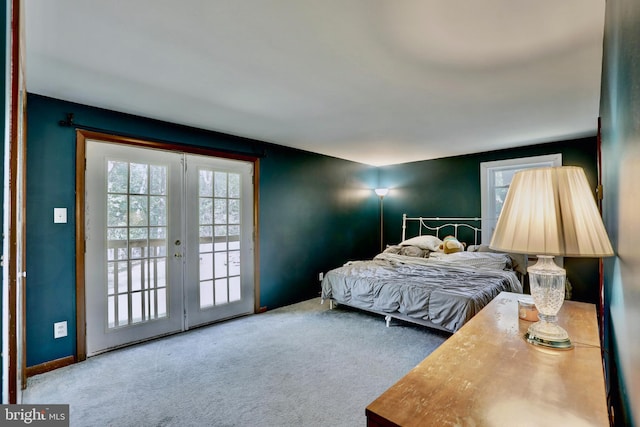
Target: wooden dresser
486 374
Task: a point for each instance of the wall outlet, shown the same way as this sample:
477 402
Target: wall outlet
320 276
60 329
60 215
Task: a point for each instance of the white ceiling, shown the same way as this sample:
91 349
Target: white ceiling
374 81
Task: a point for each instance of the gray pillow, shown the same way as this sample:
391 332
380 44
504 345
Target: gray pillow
518 260
411 250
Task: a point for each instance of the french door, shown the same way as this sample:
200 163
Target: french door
169 242
219 277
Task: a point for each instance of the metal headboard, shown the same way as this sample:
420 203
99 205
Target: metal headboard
436 224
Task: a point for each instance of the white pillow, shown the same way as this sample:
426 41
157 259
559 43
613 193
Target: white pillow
431 243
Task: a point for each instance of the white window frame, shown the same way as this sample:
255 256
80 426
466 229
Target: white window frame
487 184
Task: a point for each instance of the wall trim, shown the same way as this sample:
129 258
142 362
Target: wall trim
81 320
50 366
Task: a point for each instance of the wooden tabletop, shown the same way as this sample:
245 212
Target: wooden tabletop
486 374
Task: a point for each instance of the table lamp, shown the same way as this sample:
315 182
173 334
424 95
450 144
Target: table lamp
548 212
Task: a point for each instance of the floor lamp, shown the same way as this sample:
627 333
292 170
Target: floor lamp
381 192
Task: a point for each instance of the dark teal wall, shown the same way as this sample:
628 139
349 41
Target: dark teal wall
314 216
620 112
50 293
451 187
315 212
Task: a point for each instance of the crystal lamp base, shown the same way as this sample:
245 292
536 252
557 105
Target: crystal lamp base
547 282
548 335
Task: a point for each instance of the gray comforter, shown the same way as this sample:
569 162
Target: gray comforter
445 294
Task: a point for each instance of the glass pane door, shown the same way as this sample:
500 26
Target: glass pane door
221 226
169 242
134 217
136 242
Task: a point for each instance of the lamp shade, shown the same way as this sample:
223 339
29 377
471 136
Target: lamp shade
551 211
381 191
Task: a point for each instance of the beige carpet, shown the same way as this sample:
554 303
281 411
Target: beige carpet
301 365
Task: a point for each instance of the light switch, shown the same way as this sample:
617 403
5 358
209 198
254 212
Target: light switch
60 329
60 215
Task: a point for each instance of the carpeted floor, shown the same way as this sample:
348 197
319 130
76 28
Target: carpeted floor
301 365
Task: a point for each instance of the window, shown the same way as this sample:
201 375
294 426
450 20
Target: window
495 178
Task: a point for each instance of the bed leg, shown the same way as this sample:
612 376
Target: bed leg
330 304
387 319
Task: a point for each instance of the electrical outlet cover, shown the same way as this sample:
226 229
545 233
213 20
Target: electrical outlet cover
60 215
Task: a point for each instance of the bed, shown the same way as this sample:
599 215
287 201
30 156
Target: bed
415 281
